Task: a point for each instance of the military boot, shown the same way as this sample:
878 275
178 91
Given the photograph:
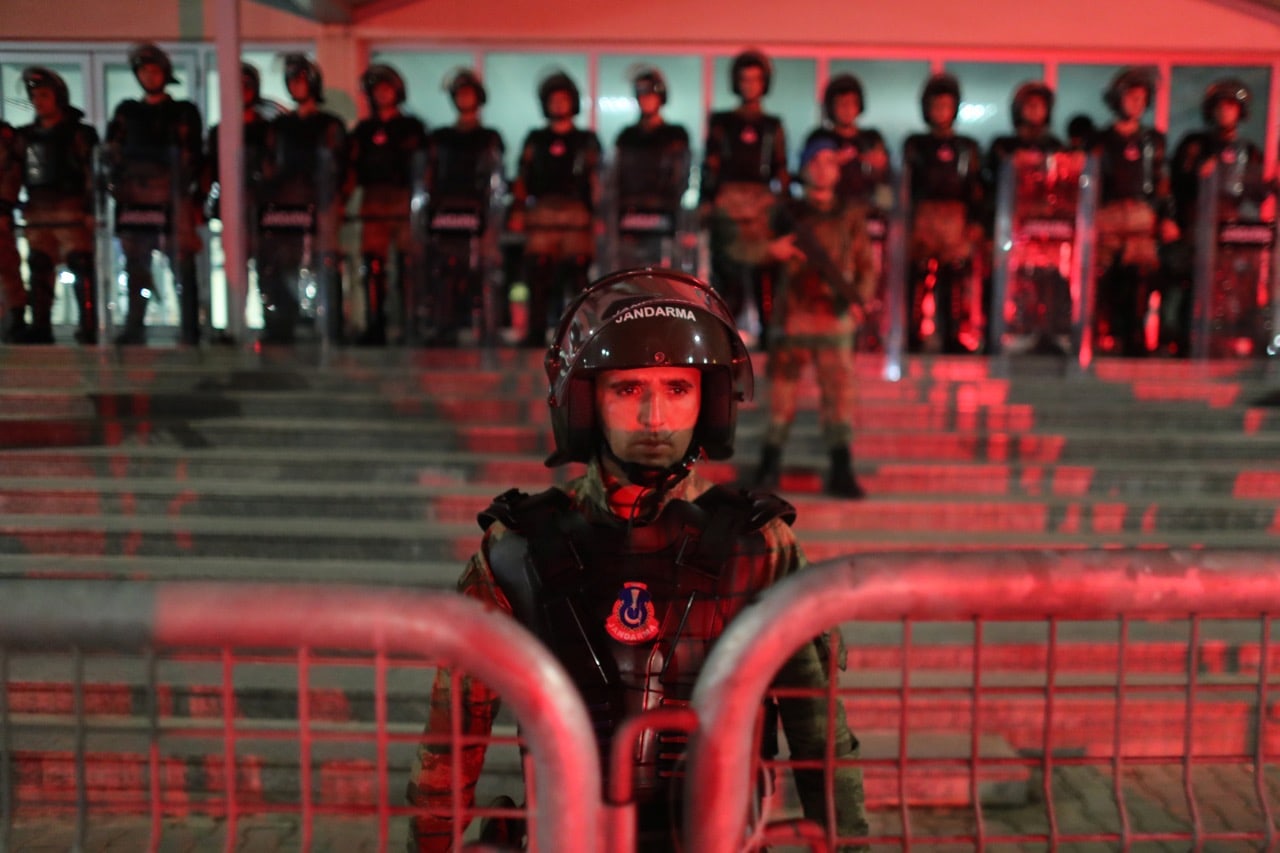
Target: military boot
841 481
769 472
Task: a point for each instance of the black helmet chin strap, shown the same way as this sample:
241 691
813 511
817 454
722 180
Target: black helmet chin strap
658 480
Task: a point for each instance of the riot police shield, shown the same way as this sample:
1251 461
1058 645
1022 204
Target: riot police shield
299 265
647 225
1043 234
149 271
873 332
1236 301
894 319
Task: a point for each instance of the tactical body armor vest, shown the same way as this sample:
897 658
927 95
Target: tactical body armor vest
631 611
559 165
384 151
943 168
1130 166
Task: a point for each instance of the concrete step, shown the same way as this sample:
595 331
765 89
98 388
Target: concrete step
157 504
803 469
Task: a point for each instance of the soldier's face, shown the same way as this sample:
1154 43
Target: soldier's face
151 77
1035 111
44 102
384 95
649 103
559 104
751 83
466 100
298 88
846 108
1226 113
822 172
942 110
648 414
1133 102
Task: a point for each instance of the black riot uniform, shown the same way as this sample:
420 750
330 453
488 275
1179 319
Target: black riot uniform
1134 201
57 156
303 169
554 200
15 296
466 178
947 203
744 172
258 112
1218 149
651 174
629 573
864 160
387 159
155 154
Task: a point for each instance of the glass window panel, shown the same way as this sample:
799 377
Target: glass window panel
986 91
14 106
616 104
1080 89
1188 85
424 74
512 80
891 91
793 97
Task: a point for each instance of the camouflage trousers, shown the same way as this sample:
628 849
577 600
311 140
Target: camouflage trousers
829 348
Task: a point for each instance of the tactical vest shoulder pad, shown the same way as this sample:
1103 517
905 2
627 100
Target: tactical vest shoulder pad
522 512
756 508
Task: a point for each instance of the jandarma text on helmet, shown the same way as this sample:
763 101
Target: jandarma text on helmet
646 311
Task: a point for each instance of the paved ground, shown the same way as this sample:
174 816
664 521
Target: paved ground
1083 798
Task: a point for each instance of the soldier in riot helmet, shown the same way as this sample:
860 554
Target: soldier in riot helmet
744 171
256 113
15 295
864 160
466 176
646 374
651 174
387 158
1218 148
947 198
1135 215
57 155
155 155
303 172
554 201
1032 110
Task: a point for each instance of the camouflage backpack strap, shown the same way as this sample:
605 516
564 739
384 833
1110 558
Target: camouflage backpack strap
530 521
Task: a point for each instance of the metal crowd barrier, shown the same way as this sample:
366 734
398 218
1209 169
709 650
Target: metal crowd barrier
1146 681
127 732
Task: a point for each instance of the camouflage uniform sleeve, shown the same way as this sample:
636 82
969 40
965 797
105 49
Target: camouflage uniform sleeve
807 721
431 785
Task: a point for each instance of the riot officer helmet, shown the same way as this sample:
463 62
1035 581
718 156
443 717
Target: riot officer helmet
649 81
1026 92
842 84
750 59
40 77
151 54
939 84
465 78
381 73
1230 89
300 65
559 82
1134 77
646 318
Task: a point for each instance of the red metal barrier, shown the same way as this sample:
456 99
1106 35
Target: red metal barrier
212 627
1115 732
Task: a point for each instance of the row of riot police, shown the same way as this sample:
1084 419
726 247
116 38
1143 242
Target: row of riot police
1101 242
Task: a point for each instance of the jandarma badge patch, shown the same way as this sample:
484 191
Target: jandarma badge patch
646 311
632 619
